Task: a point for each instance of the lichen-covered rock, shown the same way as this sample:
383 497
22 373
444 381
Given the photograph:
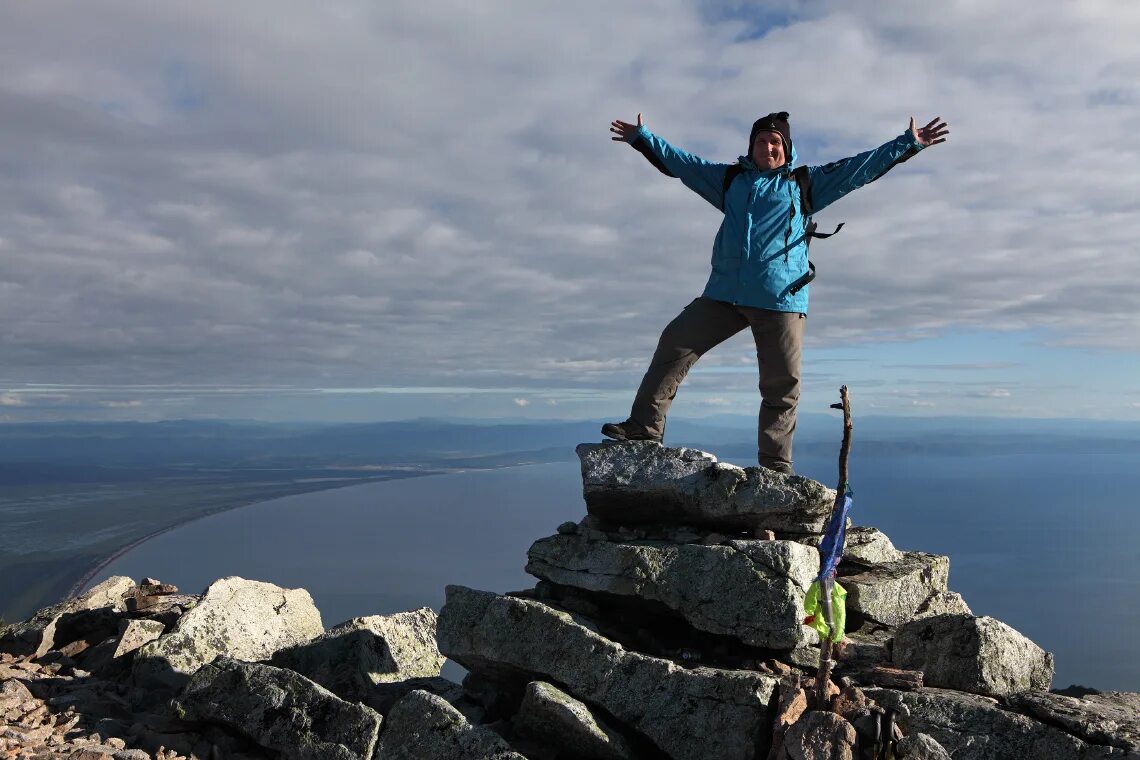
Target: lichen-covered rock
554 718
751 590
644 482
246 620
697 714
920 747
972 727
820 735
280 710
975 654
135 633
353 657
1109 718
864 546
942 603
38 635
891 593
423 726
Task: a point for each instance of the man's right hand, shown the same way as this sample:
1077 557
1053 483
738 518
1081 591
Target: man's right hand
624 131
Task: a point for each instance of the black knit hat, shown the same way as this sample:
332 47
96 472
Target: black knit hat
773 122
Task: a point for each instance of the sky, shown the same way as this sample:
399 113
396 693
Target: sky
364 211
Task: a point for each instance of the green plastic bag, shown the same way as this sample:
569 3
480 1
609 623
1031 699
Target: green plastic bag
814 610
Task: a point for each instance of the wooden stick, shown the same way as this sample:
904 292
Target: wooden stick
823 674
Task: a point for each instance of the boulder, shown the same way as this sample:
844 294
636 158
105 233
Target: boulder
699 713
423 726
644 482
383 696
353 657
135 633
280 710
47 629
975 654
1109 718
942 603
554 718
820 735
973 727
920 747
246 620
864 546
752 590
891 593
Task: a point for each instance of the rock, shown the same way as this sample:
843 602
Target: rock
246 620
423 726
820 735
942 603
700 713
972 727
37 635
135 633
1110 718
752 590
891 593
975 654
568 528
280 710
644 482
383 696
555 718
353 657
920 747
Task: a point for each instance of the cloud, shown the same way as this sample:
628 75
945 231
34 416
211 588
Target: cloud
521 402
392 195
12 399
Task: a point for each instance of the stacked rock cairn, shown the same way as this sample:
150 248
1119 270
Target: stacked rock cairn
667 623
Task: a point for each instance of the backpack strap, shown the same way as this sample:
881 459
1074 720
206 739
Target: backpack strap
731 173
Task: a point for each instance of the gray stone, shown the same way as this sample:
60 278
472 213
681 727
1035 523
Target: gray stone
1110 718
699 713
920 747
752 590
891 593
820 735
973 727
353 657
280 710
423 726
136 633
37 635
942 603
246 620
864 546
383 696
644 482
553 717
975 654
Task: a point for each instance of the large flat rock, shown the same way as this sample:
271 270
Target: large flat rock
280 710
975 654
353 657
1110 718
891 593
972 727
689 714
645 482
246 620
751 590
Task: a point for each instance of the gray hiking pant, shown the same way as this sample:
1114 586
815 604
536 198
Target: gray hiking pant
706 323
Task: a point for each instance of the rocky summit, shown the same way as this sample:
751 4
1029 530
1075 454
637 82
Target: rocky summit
666 623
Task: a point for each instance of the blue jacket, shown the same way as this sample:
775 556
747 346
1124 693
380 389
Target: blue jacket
761 248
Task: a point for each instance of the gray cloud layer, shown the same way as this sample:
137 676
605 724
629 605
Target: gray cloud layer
424 194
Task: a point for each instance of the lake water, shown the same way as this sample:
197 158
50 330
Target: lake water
1044 541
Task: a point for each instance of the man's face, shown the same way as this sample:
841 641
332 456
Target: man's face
768 150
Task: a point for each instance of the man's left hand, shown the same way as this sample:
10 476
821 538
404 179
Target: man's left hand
933 133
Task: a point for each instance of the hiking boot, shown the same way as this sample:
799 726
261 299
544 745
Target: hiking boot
781 467
628 431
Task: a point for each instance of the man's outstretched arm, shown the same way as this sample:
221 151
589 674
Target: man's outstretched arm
832 181
701 176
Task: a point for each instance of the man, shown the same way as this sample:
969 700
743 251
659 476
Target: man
759 267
